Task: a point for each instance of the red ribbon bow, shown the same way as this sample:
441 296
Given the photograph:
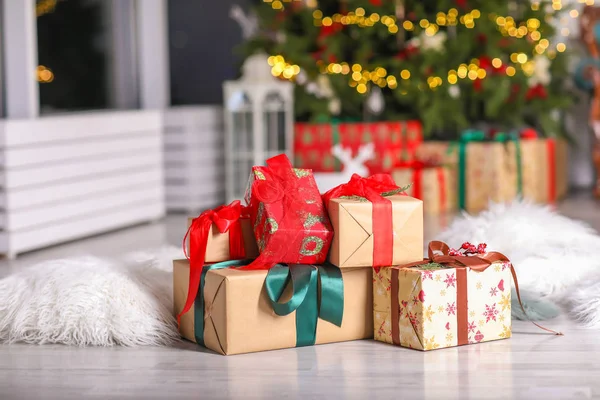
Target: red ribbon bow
281 192
283 183
373 188
226 219
370 188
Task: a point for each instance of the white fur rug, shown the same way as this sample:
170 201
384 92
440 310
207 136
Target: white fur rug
128 301
92 301
555 257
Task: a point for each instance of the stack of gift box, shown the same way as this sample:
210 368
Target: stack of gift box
294 267
466 174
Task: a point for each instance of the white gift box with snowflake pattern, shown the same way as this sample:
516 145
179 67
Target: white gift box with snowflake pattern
427 300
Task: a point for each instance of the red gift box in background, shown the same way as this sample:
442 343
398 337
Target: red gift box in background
312 147
394 142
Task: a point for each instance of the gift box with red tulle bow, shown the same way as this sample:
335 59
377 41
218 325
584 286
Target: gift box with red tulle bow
289 220
375 223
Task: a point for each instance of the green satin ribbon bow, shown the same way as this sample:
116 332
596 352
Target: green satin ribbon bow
305 299
514 137
468 136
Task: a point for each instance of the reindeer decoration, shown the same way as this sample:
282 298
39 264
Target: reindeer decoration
248 22
329 180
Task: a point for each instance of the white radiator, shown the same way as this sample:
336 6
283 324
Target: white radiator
194 158
74 175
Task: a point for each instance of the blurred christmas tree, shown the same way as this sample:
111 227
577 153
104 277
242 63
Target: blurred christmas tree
453 64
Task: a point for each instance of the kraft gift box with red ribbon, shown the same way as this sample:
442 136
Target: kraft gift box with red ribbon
289 220
374 224
562 167
448 299
432 183
221 234
551 158
544 168
222 242
238 311
393 141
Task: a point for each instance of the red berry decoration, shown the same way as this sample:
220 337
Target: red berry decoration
472 249
465 245
454 252
481 248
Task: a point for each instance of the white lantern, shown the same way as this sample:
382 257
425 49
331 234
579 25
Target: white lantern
258 122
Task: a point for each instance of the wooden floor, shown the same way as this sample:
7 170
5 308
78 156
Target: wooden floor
531 365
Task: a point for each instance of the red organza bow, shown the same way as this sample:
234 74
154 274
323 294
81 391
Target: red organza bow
281 191
226 219
373 188
282 185
370 188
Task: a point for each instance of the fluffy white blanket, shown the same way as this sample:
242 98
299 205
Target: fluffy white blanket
555 257
128 301
92 301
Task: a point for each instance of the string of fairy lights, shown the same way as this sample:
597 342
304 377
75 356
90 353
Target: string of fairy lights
361 77
44 7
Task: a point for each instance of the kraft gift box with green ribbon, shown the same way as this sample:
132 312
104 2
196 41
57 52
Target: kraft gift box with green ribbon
242 311
480 168
502 168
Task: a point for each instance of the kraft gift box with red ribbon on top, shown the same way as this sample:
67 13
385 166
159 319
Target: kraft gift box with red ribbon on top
216 235
429 181
223 238
452 298
393 141
375 223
